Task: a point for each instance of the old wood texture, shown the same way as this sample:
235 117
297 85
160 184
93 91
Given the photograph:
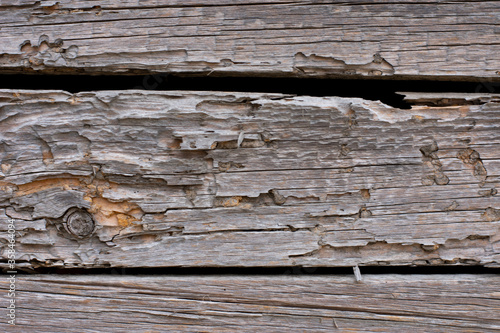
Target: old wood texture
395 39
383 303
162 179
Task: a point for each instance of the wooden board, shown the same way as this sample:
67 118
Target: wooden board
239 179
381 303
391 39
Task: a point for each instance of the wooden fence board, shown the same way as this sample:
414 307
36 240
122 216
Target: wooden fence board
380 303
393 39
238 179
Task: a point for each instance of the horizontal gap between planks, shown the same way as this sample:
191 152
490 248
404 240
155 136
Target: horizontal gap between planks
370 89
291 270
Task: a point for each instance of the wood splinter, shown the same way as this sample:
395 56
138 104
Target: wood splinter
357 273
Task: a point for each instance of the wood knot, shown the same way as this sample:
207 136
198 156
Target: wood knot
79 223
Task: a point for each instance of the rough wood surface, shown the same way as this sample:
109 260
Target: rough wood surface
383 303
138 178
403 39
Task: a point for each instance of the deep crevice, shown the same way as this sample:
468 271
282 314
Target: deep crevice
383 90
290 270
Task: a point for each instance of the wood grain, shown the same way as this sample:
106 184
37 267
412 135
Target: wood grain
381 303
393 39
238 179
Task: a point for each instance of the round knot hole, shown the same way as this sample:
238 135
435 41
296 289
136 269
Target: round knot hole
79 223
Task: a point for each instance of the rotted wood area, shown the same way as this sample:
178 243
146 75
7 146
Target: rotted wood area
382 303
372 39
180 178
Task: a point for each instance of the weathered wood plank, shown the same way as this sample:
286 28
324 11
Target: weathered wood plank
398 39
239 179
383 303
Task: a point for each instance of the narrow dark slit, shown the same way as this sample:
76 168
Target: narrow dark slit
290 270
370 89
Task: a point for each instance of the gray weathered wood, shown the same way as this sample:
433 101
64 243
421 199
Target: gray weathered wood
238 179
398 39
383 303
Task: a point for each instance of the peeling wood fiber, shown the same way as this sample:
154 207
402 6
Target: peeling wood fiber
383 303
243 179
393 39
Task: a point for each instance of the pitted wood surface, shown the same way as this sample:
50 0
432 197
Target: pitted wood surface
238 179
392 39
